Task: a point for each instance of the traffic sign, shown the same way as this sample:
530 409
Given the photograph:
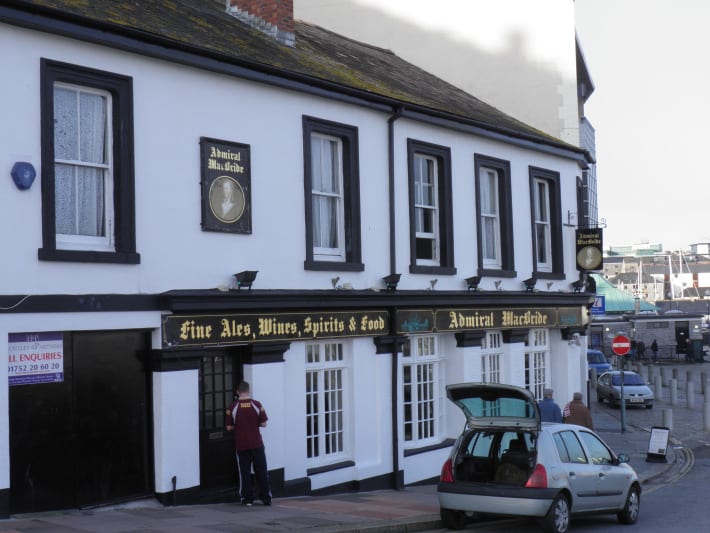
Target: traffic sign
621 345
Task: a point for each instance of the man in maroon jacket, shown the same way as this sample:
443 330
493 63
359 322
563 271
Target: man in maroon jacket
244 417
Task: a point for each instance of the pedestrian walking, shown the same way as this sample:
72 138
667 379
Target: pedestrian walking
654 349
575 412
641 350
549 410
245 417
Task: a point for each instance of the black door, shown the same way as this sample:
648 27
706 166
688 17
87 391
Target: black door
83 441
219 374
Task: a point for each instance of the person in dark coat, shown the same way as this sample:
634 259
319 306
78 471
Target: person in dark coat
575 412
549 410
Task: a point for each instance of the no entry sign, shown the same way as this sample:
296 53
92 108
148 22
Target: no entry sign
621 345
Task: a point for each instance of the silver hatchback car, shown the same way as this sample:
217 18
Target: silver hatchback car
507 463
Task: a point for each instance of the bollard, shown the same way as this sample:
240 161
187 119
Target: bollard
688 376
664 376
706 416
668 418
643 371
690 394
659 390
675 373
703 377
674 392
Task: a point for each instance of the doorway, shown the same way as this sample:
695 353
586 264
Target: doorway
84 441
220 372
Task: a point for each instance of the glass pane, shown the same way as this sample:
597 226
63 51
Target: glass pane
90 201
66 125
92 128
325 222
65 196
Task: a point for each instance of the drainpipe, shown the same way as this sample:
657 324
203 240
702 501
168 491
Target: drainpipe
396 483
390 154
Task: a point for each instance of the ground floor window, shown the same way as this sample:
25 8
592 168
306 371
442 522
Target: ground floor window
326 390
537 352
422 390
491 355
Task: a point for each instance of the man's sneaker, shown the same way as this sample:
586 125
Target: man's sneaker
246 503
267 501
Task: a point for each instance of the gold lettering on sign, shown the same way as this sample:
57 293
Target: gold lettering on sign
372 324
269 327
315 328
476 320
232 328
230 159
191 331
528 318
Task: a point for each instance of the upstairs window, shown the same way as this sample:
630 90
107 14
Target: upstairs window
495 218
332 196
431 222
546 223
88 211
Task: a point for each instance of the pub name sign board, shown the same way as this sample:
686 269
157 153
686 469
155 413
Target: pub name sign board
215 330
228 329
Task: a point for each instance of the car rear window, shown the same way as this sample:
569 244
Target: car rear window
499 407
596 357
629 379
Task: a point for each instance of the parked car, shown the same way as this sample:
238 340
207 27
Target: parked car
598 361
636 391
507 463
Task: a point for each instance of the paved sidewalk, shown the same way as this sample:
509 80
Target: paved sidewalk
411 509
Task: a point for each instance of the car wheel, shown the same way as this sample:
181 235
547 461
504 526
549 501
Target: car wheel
557 518
453 519
630 512
600 398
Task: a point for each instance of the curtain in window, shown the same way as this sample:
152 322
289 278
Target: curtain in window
326 192
80 155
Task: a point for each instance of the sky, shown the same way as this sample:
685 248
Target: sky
649 63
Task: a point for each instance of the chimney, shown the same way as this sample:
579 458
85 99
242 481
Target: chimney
272 17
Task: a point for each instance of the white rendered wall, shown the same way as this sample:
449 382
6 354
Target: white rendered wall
176 429
516 55
170 117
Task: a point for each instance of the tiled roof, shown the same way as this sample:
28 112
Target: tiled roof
319 58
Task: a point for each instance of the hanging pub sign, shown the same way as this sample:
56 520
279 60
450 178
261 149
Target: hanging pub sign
217 330
590 248
226 186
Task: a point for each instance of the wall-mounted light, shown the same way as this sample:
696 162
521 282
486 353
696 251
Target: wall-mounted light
23 174
578 285
472 283
432 283
245 278
497 283
391 281
530 284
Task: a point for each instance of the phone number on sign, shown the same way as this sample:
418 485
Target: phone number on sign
44 367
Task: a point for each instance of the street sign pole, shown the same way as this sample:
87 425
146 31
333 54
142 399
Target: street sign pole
621 346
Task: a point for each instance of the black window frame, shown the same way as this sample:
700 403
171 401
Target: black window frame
556 245
121 89
348 136
442 156
505 209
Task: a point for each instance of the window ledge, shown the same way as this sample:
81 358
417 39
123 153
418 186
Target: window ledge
447 443
329 468
549 275
83 256
494 273
441 270
333 266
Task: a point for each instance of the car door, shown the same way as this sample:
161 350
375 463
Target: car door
580 473
612 479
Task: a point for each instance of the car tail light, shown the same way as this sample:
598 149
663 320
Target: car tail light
447 472
538 479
